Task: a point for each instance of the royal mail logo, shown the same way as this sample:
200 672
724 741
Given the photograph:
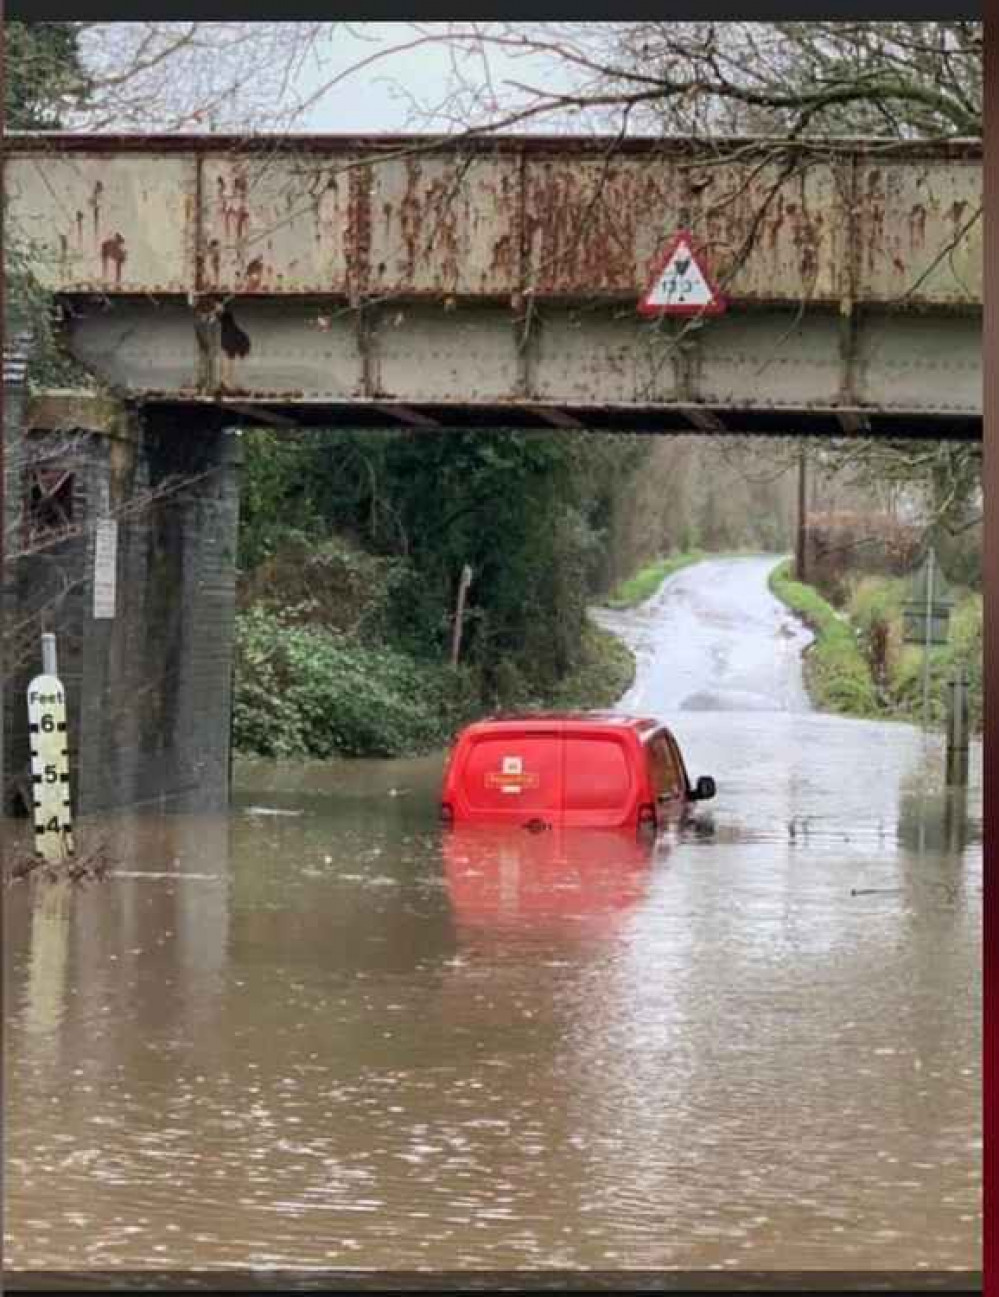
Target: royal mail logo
511 776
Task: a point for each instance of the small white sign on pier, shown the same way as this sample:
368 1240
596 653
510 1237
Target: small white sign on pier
105 567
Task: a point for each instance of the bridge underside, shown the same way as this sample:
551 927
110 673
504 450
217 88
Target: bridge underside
764 372
210 282
662 420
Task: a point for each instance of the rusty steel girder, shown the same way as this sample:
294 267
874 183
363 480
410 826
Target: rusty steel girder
505 272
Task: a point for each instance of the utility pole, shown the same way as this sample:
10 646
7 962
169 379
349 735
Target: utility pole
800 550
928 635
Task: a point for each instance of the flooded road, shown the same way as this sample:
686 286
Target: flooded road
714 638
321 1032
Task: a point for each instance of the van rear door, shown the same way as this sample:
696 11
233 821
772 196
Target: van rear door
514 774
599 780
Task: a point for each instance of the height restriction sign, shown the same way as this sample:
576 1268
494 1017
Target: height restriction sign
680 283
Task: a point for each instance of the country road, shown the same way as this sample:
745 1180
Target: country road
713 638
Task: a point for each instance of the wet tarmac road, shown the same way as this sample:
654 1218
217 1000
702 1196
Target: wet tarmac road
319 1031
714 639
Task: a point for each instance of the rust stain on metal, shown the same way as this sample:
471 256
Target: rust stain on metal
95 203
214 261
233 207
358 240
806 236
502 261
874 205
917 226
776 223
411 215
448 213
582 224
113 253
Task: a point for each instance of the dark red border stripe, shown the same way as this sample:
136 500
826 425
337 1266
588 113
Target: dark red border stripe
990 570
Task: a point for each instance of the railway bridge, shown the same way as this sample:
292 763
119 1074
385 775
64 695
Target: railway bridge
209 282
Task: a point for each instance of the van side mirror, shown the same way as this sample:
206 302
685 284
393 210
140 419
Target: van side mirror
705 789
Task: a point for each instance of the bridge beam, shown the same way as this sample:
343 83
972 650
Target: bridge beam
423 364
496 281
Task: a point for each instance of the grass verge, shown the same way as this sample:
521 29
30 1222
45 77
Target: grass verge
837 673
648 579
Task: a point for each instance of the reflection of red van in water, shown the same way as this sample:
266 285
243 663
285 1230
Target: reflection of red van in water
580 880
587 769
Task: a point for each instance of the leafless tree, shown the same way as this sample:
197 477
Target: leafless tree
784 79
193 76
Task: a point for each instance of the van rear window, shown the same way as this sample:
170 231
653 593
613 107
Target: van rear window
519 773
597 774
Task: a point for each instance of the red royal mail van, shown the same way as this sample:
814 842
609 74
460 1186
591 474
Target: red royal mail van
586 769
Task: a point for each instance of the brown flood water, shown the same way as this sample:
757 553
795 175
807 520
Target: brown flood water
339 1036
343 1037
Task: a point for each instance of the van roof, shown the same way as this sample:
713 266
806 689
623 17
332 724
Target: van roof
528 722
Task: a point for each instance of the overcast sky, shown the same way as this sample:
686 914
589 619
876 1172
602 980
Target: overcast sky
393 93
344 78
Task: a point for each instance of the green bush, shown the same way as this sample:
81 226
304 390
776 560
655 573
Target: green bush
330 583
963 649
875 599
307 692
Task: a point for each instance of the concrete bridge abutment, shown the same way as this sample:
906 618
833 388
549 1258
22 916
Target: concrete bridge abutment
121 536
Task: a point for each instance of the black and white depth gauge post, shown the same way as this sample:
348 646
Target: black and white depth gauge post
49 743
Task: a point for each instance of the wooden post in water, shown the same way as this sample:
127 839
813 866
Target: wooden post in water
957 731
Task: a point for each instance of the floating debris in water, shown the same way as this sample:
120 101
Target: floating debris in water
172 876
90 863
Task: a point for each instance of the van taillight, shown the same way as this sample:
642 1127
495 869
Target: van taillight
646 813
447 813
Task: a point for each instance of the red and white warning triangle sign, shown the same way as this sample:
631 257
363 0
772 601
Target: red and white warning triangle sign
681 285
